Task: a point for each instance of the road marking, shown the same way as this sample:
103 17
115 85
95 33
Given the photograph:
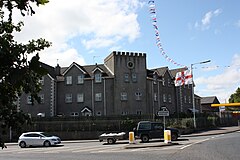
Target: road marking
194 143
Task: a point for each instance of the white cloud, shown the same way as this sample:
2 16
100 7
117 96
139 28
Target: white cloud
204 24
223 84
101 23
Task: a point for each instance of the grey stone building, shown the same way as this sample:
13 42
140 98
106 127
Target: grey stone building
122 85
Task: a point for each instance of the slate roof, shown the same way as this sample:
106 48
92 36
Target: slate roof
174 71
209 100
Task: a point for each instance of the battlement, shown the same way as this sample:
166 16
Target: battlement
135 54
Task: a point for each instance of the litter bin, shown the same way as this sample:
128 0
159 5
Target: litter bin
167 136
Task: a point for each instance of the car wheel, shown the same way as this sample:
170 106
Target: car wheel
111 141
46 144
174 137
23 144
145 138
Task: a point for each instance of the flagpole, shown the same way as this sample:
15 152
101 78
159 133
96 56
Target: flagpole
193 99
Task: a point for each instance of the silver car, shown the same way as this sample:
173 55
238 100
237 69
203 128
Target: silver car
37 139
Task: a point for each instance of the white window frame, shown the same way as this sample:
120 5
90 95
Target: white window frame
164 98
170 98
126 77
98 97
124 96
80 79
68 80
98 77
163 81
80 97
68 98
155 97
134 77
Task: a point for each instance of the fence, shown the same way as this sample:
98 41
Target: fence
92 127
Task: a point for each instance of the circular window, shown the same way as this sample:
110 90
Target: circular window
130 64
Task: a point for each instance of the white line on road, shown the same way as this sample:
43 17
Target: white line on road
194 143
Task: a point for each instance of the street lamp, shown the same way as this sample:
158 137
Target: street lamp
194 108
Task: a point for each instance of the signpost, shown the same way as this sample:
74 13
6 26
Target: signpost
163 112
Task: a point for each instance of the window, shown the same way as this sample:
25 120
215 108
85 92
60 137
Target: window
189 99
41 81
68 98
163 81
41 98
98 77
99 113
68 80
29 100
185 99
154 79
123 96
138 96
164 98
74 114
155 97
134 77
139 112
98 97
80 97
80 79
125 113
169 98
169 82
126 77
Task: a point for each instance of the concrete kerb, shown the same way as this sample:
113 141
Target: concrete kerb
148 145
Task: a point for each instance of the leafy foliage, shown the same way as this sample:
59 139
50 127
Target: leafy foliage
18 74
235 97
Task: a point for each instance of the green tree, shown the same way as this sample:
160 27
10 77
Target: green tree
18 74
235 97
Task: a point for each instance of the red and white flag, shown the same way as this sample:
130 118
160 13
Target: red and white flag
183 78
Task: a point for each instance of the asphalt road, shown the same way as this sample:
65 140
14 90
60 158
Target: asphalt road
218 147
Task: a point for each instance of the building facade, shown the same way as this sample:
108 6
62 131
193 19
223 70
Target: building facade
122 85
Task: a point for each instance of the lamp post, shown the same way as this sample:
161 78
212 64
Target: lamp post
193 101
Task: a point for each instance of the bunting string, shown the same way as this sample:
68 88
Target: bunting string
153 15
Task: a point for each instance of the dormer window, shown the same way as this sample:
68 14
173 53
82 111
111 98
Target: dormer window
80 79
98 77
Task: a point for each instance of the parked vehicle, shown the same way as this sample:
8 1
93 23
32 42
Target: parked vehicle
37 139
148 130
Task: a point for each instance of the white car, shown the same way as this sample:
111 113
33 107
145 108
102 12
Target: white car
37 139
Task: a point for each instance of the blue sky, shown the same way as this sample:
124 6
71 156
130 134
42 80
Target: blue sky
191 31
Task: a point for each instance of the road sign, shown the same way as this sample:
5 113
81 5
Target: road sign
163 113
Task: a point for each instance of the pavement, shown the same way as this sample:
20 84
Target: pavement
215 131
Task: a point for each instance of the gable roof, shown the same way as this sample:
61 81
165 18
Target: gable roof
209 100
76 65
160 71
